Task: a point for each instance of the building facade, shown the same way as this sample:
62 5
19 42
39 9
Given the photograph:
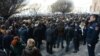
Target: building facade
95 7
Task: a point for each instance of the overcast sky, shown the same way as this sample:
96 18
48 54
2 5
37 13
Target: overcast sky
80 5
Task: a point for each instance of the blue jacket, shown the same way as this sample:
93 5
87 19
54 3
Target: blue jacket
23 33
92 34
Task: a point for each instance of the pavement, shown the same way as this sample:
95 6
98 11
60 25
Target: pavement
61 52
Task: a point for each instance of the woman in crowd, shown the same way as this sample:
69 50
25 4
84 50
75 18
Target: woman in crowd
30 49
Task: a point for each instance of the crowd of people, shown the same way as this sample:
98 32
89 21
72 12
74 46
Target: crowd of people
24 37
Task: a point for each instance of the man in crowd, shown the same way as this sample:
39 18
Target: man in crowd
69 34
76 37
92 37
23 33
38 34
50 38
60 34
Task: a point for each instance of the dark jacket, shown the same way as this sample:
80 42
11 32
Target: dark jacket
30 32
50 35
1 44
37 33
77 33
31 52
92 34
60 29
7 41
2 53
16 50
69 32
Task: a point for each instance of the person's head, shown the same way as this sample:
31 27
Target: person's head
93 18
17 38
3 27
8 32
23 25
30 43
15 41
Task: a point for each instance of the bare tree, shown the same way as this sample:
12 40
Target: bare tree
9 7
34 8
62 6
